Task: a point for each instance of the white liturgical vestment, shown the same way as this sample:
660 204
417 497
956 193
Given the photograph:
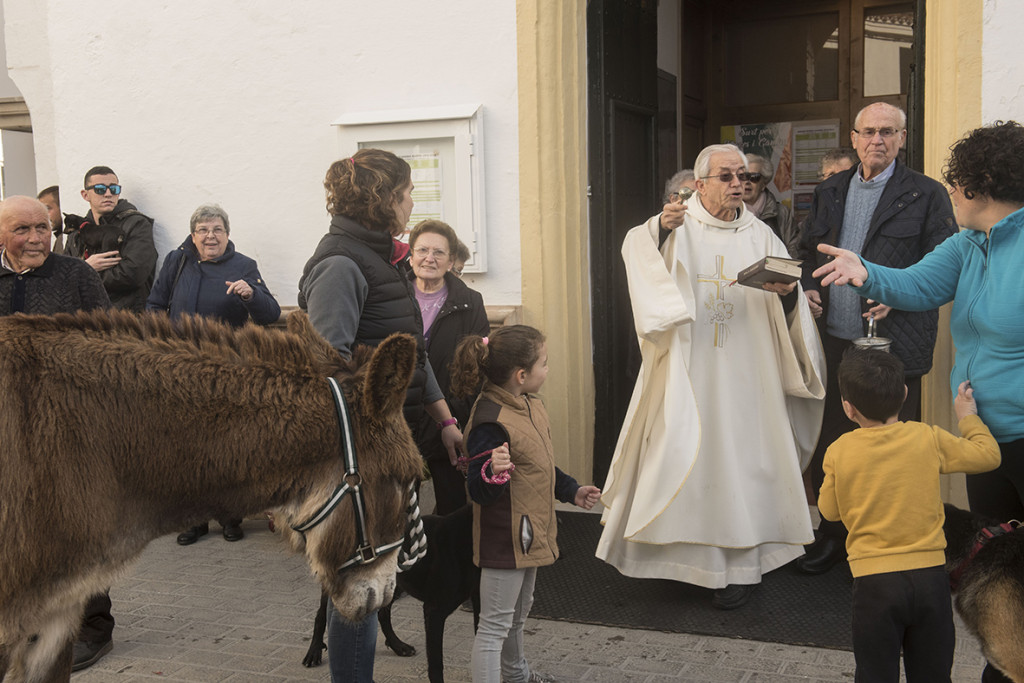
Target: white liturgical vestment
705 484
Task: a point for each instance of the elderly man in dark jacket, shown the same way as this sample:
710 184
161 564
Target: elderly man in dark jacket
893 216
115 238
32 280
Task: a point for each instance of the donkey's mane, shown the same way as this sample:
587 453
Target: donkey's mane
304 352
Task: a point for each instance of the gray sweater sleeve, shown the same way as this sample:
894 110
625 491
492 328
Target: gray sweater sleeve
335 292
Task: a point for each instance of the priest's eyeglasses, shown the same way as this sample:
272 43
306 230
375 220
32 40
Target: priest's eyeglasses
727 176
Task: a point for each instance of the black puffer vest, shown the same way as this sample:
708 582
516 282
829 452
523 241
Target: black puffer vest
390 304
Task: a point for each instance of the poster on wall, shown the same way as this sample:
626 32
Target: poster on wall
795 149
429 160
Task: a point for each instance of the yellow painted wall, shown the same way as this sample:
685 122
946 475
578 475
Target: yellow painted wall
952 107
553 216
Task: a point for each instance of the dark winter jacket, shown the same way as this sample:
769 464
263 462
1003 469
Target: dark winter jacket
128 232
463 313
386 304
913 216
514 523
61 285
188 285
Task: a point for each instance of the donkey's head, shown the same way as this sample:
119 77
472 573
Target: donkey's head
353 549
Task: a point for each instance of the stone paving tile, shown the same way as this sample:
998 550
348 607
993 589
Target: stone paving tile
243 612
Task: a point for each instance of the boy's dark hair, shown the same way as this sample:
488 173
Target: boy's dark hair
872 381
97 170
53 190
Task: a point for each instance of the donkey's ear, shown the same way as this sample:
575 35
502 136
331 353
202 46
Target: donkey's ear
388 375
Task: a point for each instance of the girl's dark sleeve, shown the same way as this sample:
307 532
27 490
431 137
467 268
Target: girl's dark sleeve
483 437
565 487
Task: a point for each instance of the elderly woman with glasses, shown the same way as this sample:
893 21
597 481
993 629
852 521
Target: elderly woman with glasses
763 204
450 311
206 276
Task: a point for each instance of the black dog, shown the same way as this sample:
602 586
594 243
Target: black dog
985 560
96 239
444 579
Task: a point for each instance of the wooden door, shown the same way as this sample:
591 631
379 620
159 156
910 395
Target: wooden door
624 191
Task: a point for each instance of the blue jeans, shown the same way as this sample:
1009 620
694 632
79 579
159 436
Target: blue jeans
350 647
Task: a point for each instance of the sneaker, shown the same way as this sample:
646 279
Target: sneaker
536 677
85 654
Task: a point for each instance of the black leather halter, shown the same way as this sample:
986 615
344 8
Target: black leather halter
352 483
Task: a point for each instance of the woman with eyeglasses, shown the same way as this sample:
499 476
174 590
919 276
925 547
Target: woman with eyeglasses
206 276
356 292
450 311
763 204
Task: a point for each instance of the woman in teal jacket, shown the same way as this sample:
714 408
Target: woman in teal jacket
981 270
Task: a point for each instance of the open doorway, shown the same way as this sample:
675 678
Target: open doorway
744 62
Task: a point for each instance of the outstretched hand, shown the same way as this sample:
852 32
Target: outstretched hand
844 268
587 497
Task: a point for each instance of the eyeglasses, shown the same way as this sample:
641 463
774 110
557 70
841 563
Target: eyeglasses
869 133
423 252
727 176
755 177
203 232
102 189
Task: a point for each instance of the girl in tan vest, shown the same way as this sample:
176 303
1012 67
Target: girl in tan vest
513 483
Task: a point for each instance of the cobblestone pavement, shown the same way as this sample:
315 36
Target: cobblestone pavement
243 612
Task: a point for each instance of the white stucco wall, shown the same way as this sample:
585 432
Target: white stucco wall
1002 78
231 102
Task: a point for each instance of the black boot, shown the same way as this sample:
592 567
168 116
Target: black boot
820 556
233 530
192 535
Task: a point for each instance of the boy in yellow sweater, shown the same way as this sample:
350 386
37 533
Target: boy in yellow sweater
882 481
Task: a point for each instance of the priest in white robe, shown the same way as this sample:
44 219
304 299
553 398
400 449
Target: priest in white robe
705 485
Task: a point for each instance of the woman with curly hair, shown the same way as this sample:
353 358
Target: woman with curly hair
979 270
356 292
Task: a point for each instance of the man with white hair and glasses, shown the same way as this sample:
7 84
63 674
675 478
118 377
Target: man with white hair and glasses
892 216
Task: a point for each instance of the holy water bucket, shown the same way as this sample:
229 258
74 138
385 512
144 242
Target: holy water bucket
871 341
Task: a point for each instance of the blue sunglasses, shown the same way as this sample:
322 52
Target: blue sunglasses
102 189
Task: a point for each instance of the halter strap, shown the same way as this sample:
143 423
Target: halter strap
352 483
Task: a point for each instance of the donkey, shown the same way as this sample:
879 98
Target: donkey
117 428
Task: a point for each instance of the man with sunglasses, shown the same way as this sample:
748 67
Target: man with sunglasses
115 238
705 485
892 216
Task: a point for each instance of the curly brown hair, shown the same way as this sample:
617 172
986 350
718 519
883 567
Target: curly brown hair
507 349
366 186
987 162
